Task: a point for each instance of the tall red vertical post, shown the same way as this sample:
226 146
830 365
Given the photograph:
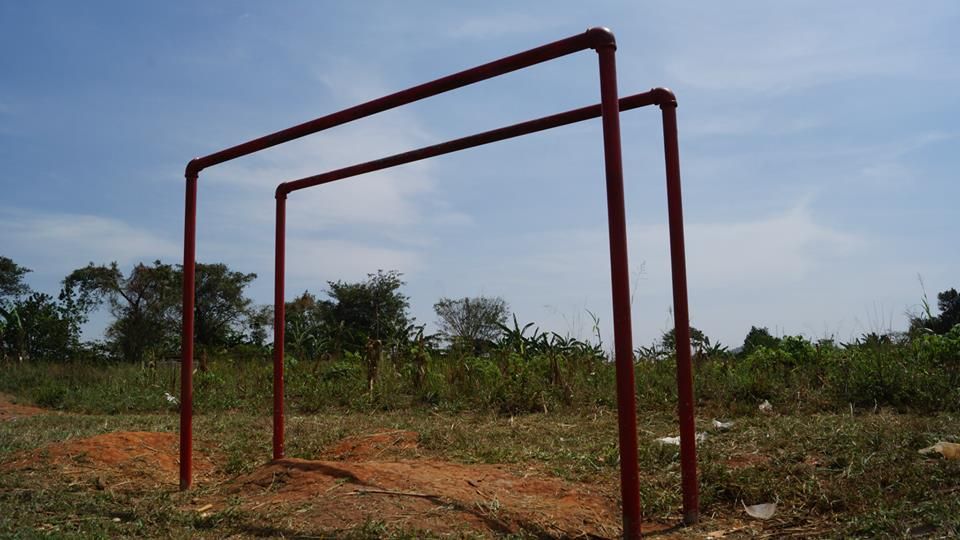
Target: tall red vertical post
279 317
681 317
186 344
620 279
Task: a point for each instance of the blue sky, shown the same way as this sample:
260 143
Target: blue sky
819 149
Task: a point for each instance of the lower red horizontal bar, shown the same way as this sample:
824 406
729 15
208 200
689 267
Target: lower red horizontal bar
652 97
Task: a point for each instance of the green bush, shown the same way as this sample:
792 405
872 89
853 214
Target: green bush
922 374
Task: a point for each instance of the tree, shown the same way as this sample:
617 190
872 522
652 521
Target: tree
12 337
11 279
698 340
39 326
146 306
258 323
756 338
220 305
143 304
48 333
471 321
306 334
374 309
948 302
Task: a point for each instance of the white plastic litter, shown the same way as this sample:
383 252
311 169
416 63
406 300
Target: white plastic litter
722 426
760 511
766 406
675 441
170 399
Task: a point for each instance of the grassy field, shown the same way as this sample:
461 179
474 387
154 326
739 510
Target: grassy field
832 474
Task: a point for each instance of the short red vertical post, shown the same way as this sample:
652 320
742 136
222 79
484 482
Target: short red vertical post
681 317
186 340
620 286
279 316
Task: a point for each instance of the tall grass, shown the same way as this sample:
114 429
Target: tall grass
921 375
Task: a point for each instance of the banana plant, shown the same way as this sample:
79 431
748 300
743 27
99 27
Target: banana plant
515 338
11 330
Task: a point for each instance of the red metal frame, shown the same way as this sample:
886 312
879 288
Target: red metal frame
600 39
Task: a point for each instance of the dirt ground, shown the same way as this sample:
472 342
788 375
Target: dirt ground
124 460
10 410
355 481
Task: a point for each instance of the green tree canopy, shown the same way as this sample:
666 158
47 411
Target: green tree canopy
146 305
756 338
38 326
371 309
306 335
11 279
221 305
948 303
471 320
48 332
698 340
143 303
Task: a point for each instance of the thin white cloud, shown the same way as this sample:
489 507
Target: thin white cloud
751 122
773 251
384 199
790 47
751 260
312 261
891 164
341 230
53 244
502 24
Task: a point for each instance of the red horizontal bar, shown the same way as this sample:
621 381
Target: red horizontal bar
656 96
592 38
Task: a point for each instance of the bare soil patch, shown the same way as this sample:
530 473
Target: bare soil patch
362 486
438 496
359 484
374 446
11 411
130 460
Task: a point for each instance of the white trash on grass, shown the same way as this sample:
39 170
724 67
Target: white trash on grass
675 441
722 426
760 511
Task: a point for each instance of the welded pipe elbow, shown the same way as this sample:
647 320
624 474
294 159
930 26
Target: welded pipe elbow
664 96
194 166
601 36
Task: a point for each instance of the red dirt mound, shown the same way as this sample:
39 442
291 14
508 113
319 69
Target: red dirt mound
366 447
11 411
437 496
135 459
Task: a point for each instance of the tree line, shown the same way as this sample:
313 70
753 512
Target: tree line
369 318
146 307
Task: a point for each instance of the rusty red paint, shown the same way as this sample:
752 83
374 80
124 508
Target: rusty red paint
598 38
186 342
620 288
279 329
463 143
681 317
